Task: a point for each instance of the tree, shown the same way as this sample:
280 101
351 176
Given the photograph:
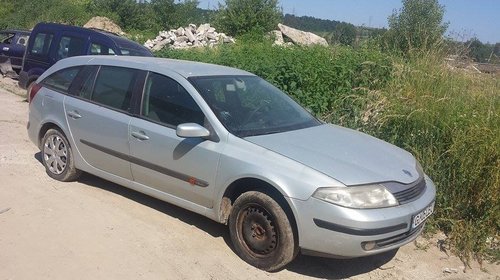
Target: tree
418 26
345 33
237 17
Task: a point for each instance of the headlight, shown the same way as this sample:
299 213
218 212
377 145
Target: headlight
369 196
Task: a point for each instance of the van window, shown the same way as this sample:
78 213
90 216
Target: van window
23 39
70 46
114 86
6 38
166 101
98 49
61 80
42 43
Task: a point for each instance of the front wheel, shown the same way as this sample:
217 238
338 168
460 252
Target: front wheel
261 232
57 157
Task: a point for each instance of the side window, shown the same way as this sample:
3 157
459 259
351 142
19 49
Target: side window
114 86
166 101
61 80
42 43
6 38
23 39
84 82
70 46
98 49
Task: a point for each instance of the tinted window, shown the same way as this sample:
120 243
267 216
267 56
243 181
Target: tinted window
86 78
98 49
70 46
41 45
166 101
61 80
113 87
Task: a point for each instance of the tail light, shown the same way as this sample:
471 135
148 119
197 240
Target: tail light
34 90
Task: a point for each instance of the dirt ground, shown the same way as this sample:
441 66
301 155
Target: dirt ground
94 229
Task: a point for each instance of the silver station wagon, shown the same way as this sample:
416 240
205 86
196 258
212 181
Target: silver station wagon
226 144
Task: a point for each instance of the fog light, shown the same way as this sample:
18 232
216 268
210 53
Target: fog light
368 246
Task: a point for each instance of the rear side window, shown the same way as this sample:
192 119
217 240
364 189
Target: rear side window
62 79
114 86
98 49
70 46
41 44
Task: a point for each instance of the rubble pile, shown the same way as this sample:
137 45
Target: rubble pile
104 23
188 37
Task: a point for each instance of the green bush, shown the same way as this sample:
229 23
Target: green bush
316 77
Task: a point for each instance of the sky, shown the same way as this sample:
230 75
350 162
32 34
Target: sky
467 18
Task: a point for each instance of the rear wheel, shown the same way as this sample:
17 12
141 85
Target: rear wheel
57 157
261 232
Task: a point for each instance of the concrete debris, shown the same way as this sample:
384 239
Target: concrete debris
299 37
450 270
188 37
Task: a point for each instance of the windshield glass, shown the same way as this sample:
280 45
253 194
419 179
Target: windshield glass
250 106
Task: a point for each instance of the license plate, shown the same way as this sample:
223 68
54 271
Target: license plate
422 216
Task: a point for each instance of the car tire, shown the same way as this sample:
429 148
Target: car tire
57 157
261 232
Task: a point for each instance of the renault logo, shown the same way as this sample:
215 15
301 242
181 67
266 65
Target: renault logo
407 172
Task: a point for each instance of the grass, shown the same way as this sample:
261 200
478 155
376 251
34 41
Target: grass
450 120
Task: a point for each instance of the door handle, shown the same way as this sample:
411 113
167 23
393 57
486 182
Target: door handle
74 115
5 49
140 135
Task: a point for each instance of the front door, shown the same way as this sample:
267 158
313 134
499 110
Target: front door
185 168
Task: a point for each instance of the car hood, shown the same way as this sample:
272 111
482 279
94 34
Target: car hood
349 156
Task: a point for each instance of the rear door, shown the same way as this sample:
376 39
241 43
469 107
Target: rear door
37 52
98 115
185 168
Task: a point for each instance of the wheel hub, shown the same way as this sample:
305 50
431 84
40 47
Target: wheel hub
258 231
55 154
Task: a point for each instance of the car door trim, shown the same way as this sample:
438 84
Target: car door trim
169 172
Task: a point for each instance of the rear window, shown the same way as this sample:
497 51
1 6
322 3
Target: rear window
41 45
62 79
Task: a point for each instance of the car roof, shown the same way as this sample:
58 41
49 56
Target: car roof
184 68
120 41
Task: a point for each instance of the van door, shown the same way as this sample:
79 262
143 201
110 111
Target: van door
37 52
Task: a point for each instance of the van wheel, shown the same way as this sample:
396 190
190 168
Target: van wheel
261 232
57 157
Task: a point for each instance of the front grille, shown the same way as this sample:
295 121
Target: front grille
411 193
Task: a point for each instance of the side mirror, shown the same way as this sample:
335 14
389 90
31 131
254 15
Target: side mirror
192 130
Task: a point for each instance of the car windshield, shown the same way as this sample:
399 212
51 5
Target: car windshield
250 106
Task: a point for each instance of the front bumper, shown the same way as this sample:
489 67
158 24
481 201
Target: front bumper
326 229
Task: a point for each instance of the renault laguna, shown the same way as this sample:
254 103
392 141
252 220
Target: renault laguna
228 145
